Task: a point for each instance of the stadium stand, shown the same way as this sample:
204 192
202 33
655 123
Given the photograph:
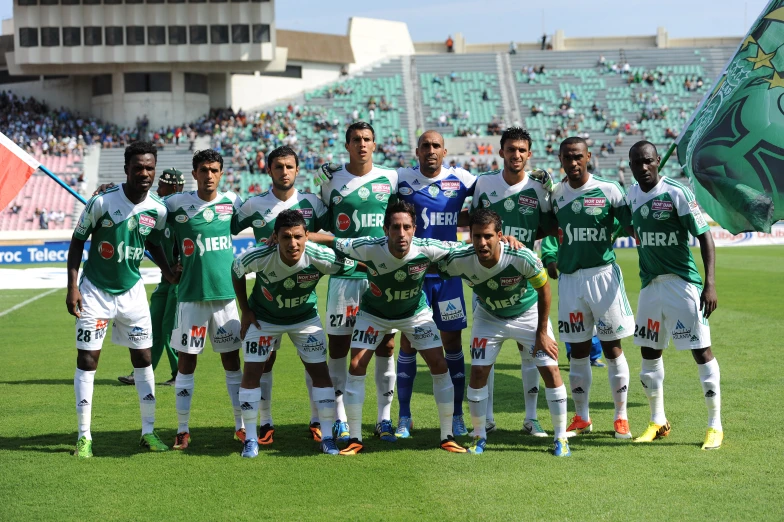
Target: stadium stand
40 193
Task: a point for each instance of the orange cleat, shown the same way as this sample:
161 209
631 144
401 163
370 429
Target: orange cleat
182 440
622 429
449 444
265 434
578 426
240 435
354 447
315 431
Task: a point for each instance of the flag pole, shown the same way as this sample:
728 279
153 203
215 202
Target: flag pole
667 155
63 184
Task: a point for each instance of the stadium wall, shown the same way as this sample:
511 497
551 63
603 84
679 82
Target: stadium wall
251 91
374 39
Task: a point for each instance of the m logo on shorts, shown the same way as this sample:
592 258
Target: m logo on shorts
266 340
369 336
650 333
575 324
478 347
198 334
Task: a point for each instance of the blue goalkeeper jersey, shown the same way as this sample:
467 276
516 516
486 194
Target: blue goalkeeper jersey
437 200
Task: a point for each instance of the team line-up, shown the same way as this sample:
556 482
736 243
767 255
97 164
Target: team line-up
387 239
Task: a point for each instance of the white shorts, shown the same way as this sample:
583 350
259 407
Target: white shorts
343 296
593 297
131 327
669 307
195 319
489 332
420 330
308 336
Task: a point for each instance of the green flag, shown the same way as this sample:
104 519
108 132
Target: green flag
733 146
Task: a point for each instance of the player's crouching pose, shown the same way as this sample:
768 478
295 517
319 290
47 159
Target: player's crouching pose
121 222
283 300
499 277
673 302
396 266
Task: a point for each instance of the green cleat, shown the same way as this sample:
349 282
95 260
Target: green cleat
84 448
153 442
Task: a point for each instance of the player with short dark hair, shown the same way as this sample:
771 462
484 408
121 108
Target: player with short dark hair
673 302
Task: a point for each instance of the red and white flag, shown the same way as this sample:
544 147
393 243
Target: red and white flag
16 167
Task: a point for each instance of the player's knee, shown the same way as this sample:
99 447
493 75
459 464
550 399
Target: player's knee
387 346
319 373
702 355
231 361
141 358
551 376
251 374
270 362
479 375
87 360
405 345
452 341
186 363
339 345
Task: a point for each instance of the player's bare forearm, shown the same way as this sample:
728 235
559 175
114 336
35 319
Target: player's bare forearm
543 307
463 218
73 298
321 239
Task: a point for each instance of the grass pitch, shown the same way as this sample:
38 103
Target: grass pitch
517 478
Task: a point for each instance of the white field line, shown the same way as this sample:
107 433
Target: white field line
25 303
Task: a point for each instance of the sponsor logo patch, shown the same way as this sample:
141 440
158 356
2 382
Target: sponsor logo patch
147 221
182 218
375 290
266 293
451 309
594 202
450 185
107 223
661 205
380 188
106 250
224 209
405 191
510 281
528 202
259 223
188 247
307 213
343 222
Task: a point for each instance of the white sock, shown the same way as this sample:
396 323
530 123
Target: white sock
249 404
183 394
710 376
83 389
556 401
490 385
652 379
354 400
233 381
444 393
580 379
618 373
338 372
265 404
314 412
385 386
477 408
530 375
324 398
145 389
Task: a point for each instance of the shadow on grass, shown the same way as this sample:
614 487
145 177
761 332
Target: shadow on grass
68 382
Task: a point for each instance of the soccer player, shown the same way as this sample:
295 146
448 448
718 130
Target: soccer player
437 193
524 207
396 266
590 287
202 224
284 301
673 301
260 213
357 195
499 277
119 223
163 301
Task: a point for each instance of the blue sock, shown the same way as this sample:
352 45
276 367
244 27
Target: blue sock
406 371
456 364
596 349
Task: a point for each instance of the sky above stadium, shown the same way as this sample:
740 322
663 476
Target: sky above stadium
505 20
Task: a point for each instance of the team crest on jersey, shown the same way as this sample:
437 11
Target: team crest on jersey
400 276
259 223
492 285
380 188
509 205
307 213
450 185
107 223
288 284
577 206
433 190
405 191
363 193
644 211
132 223
182 218
336 200
307 280
208 214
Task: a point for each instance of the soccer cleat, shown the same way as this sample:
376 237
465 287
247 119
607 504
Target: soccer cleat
127 379
404 425
478 446
315 431
578 426
458 426
170 382
489 427
340 431
84 448
182 440
329 447
265 434
713 439
622 429
250 448
532 427
240 435
354 447
449 444
598 363
561 448
153 442
385 431
654 431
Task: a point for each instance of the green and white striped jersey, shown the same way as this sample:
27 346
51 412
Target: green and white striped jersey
663 218
502 290
260 212
118 229
395 285
286 294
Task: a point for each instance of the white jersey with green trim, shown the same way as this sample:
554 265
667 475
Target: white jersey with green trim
395 285
357 204
502 290
260 212
119 229
586 216
203 229
663 218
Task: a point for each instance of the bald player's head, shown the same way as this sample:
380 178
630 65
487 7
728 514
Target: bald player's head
430 152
